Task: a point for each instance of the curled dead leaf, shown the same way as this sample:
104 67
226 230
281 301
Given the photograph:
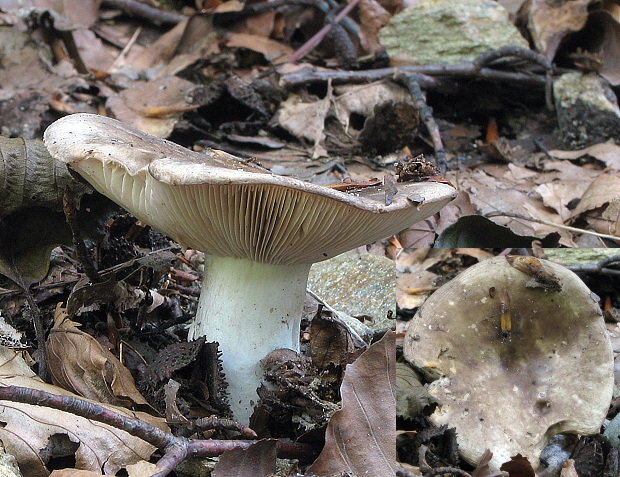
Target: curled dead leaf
80 364
360 437
28 431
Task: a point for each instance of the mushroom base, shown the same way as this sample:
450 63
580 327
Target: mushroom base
250 309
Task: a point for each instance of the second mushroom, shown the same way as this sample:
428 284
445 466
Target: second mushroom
260 232
518 352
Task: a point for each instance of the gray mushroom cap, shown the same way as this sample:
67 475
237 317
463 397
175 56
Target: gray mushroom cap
552 373
222 205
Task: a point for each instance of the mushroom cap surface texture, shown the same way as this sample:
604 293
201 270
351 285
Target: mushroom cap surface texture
222 205
550 371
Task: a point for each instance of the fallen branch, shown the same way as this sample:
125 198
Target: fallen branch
175 449
320 35
146 12
413 85
477 68
602 267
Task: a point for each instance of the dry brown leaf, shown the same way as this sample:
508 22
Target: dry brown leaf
169 94
483 469
305 120
558 195
600 192
612 216
27 429
606 152
76 473
142 469
71 13
568 469
360 437
603 30
518 466
273 51
373 17
258 460
80 364
550 21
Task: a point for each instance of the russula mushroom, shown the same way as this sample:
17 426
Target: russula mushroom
516 357
260 232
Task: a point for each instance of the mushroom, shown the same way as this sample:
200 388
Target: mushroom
260 232
519 352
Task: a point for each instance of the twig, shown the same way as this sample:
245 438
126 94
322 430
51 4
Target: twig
175 449
214 422
447 470
515 51
69 208
39 331
469 69
553 224
412 84
125 51
601 267
185 290
320 35
146 12
402 472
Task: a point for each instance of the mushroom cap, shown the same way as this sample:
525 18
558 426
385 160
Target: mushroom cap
222 205
553 373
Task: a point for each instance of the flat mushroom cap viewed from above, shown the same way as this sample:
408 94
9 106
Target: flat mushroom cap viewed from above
260 232
518 358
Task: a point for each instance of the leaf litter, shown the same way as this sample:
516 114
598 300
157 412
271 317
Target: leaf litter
221 79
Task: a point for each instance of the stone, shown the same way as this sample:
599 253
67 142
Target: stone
444 32
587 110
360 285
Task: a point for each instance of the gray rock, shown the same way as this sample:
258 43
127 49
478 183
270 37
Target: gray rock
447 32
358 285
587 110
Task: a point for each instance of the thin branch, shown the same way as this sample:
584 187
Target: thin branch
469 69
39 331
553 224
146 12
413 85
175 449
447 470
601 267
318 37
70 210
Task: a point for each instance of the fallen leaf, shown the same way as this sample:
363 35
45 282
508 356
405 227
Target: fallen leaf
373 17
606 152
600 192
568 469
142 469
76 473
305 120
28 431
412 398
550 21
32 185
80 364
558 195
602 36
360 438
134 104
273 51
258 460
483 469
518 466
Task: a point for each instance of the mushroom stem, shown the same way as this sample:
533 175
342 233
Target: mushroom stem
250 309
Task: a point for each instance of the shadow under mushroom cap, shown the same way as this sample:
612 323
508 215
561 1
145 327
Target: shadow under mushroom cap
225 206
553 373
